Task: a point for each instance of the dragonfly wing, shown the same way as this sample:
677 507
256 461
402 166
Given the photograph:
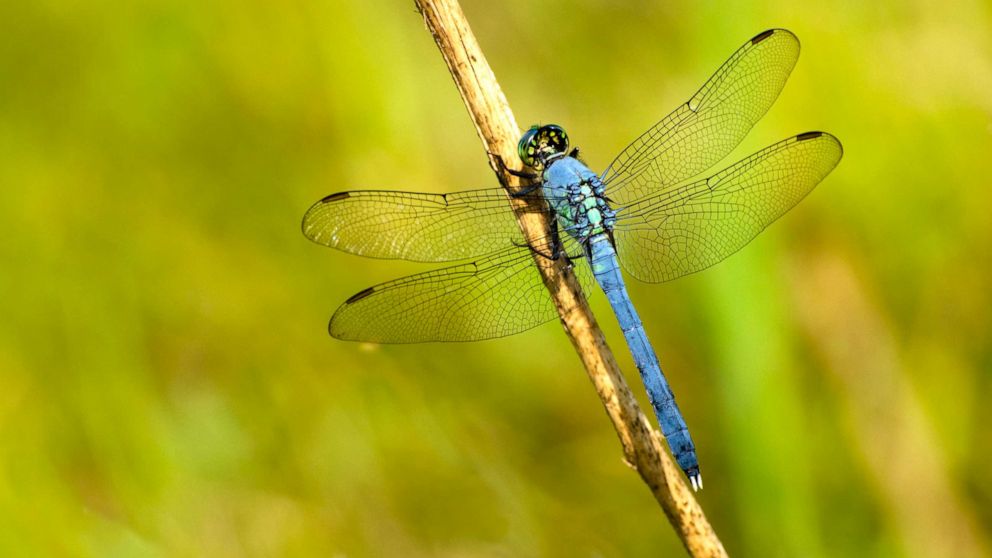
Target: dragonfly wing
414 226
708 126
495 296
690 227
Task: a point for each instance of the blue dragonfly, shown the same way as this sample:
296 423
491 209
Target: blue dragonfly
649 214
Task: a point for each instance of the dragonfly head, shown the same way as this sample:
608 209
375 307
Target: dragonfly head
542 144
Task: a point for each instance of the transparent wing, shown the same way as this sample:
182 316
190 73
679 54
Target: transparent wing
495 296
414 226
706 129
684 229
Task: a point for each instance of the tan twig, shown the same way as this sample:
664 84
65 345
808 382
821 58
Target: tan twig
642 446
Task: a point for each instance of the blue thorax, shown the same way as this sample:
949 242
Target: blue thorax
578 197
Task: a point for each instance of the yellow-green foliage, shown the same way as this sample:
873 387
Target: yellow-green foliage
167 386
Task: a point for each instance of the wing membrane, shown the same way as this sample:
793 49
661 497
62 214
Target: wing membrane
495 296
684 229
414 226
706 128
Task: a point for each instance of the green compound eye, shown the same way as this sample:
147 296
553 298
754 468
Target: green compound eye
527 148
540 144
556 138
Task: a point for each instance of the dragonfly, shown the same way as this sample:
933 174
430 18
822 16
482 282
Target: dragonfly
653 214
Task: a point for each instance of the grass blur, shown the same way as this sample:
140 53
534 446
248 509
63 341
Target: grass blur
167 386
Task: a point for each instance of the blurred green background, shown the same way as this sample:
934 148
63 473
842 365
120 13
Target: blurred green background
168 388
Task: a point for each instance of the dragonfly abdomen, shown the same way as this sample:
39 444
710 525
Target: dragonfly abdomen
606 270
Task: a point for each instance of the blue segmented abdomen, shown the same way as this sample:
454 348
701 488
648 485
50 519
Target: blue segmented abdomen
606 269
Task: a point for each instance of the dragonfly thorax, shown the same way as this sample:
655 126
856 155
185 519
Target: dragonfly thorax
578 198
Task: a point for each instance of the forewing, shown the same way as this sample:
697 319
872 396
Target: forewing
414 226
684 229
708 126
491 297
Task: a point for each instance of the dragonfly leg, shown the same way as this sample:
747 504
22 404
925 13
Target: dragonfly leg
519 174
555 241
526 190
554 255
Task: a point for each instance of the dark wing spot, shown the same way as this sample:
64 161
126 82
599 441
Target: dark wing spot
762 36
360 295
336 197
808 136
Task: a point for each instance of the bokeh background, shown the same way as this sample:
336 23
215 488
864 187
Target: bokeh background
168 388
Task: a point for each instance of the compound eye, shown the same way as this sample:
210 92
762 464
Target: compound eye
541 144
555 138
527 149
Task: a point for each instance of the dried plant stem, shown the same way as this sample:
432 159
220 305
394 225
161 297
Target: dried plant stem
642 446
